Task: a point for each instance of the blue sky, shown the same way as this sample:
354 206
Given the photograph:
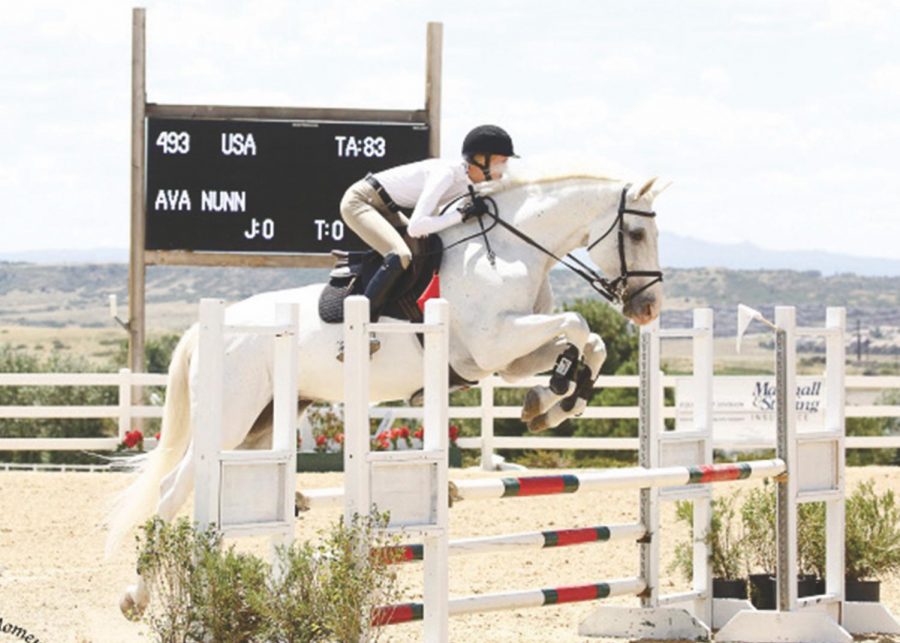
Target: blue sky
779 122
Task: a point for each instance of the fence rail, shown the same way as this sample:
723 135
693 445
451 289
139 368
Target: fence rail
125 413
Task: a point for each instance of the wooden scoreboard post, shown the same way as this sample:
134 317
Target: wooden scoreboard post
216 185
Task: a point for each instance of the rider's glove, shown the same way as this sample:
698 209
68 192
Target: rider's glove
476 206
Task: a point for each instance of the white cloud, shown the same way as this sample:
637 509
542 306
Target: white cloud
759 143
708 121
872 15
716 80
885 79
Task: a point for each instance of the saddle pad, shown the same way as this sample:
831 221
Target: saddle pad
353 270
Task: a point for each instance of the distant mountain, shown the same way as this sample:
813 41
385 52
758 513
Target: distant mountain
76 294
685 252
64 255
676 251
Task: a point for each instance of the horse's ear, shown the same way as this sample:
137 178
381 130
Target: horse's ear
651 188
643 189
660 186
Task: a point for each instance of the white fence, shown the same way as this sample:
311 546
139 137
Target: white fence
125 413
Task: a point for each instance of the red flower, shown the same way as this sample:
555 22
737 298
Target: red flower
404 432
395 433
321 440
454 432
133 439
157 435
339 438
419 434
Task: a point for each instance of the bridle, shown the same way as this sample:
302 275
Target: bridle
618 286
613 290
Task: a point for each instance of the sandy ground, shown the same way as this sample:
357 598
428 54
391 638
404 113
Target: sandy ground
55 584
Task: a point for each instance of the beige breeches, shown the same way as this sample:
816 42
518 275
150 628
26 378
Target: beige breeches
367 215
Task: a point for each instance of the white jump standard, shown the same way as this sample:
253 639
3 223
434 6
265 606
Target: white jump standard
691 615
250 492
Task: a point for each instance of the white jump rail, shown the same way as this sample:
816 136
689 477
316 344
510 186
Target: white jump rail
414 490
246 493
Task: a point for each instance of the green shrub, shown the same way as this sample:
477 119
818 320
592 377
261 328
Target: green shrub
157 353
312 592
872 533
758 521
16 361
725 540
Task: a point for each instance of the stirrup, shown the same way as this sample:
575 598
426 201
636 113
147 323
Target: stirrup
374 347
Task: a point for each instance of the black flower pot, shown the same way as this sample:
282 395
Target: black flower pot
318 462
867 591
763 588
807 585
729 588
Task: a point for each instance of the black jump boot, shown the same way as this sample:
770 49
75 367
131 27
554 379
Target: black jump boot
382 281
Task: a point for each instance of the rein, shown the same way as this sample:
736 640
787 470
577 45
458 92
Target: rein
613 290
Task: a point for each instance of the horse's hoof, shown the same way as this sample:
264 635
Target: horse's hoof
453 494
131 608
301 503
539 423
532 406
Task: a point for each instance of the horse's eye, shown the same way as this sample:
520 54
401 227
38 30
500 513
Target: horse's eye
637 235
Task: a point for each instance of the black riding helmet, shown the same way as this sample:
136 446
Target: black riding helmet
487 140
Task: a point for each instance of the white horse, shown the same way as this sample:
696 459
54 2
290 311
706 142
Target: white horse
502 321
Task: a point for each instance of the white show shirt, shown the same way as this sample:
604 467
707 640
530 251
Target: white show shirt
426 186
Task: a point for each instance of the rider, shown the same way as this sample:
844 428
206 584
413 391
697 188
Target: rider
373 207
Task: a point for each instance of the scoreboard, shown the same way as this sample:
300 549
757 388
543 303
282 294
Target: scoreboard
262 187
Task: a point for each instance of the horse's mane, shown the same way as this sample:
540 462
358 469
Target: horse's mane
522 180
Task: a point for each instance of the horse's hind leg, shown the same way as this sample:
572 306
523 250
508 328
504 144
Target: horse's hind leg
175 488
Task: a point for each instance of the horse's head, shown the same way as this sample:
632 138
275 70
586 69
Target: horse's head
625 247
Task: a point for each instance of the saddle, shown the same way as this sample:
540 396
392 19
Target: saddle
353 270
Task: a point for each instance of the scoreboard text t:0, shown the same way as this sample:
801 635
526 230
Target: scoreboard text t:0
263 187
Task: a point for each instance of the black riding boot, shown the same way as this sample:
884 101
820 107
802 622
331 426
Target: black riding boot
378 288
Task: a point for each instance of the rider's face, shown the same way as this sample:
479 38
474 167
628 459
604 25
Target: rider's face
497 167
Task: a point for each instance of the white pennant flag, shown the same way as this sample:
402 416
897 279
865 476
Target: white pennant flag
745 316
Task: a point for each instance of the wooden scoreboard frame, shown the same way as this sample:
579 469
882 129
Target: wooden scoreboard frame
142 111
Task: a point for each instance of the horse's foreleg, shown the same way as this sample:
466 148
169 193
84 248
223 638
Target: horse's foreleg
528 344
538 398
516 336
594 355
539 361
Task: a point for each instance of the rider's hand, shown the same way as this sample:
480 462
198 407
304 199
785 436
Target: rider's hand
474 208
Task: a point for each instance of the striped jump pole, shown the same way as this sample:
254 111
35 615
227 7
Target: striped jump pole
631 478
409 612
528 540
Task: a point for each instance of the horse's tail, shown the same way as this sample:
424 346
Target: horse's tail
138 501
